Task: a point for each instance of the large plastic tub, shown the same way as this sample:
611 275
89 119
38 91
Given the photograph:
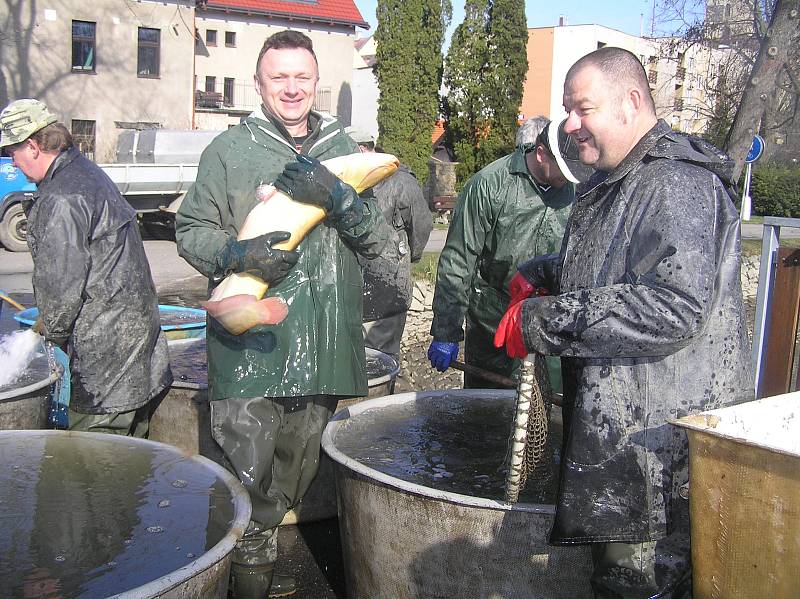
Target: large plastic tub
177 322
407 540
744 497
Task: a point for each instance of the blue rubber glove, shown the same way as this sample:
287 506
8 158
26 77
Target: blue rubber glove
441 354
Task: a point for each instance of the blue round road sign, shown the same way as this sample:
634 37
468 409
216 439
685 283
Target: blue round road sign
756 149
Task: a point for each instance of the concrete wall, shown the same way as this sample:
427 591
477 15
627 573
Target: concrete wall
333 46
365 100
37 57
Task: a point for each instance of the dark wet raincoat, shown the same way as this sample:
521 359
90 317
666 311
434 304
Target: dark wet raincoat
503 217
387 282
93 287
650 325
319 348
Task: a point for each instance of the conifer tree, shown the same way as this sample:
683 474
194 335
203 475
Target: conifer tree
508 65
464 104
484 75
408 68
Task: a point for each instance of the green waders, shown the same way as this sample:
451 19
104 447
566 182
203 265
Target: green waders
272 445
133 423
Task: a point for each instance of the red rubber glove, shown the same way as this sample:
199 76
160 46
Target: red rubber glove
520 288
509 332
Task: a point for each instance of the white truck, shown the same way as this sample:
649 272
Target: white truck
154 170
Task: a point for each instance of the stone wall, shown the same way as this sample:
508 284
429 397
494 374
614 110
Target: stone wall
416 372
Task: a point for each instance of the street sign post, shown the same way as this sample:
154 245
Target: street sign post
756 150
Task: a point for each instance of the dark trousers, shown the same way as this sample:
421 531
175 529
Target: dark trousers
272 445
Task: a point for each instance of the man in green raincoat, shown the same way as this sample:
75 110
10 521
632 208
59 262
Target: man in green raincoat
513 210
274 388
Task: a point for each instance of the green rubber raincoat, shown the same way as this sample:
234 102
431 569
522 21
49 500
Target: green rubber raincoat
503 217
318 349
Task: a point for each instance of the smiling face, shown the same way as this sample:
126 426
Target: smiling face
287 83
600 118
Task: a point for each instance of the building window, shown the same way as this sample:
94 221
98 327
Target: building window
227 91
149 52
322 101
230 39
83 137
83 46
211 83
211 37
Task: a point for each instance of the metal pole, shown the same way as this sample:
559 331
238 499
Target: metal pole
770 241
746 200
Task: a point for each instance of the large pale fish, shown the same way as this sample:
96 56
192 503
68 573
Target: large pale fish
236 302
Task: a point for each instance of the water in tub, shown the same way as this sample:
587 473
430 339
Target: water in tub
449 443
17 349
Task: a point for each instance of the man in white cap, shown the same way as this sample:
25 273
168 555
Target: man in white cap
646 313
91 278
387 282
511 211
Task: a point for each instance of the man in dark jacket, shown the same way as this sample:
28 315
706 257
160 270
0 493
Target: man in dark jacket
646 313
387 283
512 210
274 388
91 278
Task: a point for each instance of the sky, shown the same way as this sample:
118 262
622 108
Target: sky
630 16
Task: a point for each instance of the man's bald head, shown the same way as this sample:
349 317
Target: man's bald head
621 69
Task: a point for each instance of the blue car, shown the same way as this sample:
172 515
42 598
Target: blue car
14 186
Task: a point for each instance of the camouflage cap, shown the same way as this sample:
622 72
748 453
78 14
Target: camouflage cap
359 135
21 119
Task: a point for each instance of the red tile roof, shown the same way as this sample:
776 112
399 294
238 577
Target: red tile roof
325 11
438 132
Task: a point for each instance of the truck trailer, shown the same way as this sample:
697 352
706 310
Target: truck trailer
154 169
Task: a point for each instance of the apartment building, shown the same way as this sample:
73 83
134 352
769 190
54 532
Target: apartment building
680 75
101 66
109 65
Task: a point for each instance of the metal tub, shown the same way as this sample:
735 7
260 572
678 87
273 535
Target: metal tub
405 540
88 514
25 403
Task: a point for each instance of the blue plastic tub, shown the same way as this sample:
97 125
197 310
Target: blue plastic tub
177 322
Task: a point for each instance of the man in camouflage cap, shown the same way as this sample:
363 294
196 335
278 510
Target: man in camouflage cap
23 118
90 276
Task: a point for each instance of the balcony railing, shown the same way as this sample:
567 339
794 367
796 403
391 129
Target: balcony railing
242 97
680 73
652 76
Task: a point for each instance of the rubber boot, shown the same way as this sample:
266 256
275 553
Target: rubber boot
251 582
283 585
